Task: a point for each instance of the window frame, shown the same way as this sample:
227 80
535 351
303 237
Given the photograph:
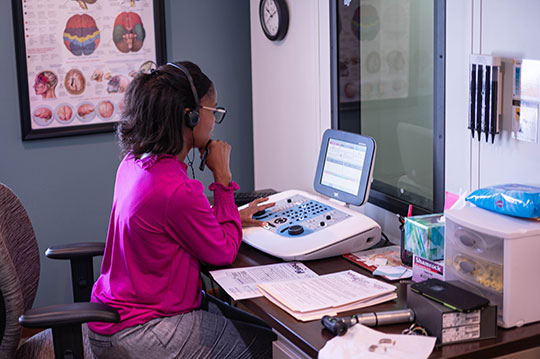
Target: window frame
378 198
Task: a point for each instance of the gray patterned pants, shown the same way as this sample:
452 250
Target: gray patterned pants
217 330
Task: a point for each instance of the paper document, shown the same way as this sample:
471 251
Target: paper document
311 298
241 283
385 261
363 342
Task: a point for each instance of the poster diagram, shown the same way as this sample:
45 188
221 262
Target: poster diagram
81 56
374 47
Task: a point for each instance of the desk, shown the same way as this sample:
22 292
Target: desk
310 337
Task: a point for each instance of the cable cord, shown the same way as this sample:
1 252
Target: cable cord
386 240
190 161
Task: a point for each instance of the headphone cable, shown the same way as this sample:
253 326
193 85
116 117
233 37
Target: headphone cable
190 161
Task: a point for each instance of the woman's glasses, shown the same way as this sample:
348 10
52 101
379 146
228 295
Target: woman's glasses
219 113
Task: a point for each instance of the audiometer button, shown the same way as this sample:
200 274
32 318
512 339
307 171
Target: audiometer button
280 220
328 217
289 200
296 230
322 224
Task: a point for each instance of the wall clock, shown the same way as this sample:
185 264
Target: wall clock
274 17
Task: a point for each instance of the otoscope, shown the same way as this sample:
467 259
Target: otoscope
339 325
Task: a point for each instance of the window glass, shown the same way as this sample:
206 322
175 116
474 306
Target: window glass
385 89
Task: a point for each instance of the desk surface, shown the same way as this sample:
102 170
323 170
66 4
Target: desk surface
311 337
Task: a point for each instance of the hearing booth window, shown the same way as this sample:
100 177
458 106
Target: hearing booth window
388 83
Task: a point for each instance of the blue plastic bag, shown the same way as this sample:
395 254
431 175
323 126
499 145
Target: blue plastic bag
512 199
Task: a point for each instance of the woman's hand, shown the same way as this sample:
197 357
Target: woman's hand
217 160
246 214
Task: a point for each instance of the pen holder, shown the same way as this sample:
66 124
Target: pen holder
424 236
406 256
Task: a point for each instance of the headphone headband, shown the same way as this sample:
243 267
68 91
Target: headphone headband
190 80
191 118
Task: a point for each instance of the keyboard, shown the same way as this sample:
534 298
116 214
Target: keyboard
241 198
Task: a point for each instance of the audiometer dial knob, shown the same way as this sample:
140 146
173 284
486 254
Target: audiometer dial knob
259 213
296 230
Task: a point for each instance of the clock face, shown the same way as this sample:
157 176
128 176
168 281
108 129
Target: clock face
271 17
274 17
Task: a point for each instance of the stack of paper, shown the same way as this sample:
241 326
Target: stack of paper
241 283
312 298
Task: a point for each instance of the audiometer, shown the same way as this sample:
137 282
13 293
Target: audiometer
304 226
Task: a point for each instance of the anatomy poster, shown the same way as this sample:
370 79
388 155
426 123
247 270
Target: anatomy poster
80 57
383 33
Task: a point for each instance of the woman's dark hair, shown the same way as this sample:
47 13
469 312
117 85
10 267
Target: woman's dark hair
153 119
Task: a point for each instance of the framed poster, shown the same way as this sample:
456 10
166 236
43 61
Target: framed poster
75 59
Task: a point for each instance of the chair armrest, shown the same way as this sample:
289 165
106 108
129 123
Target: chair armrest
82 268
68 314
74 250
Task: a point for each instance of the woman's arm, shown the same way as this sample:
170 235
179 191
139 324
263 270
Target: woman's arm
212 235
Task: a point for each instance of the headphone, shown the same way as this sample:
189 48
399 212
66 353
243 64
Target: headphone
191 118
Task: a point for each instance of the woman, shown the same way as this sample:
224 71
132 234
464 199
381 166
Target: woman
162 227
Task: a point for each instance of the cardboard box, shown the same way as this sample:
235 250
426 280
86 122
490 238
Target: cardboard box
450 326
424 269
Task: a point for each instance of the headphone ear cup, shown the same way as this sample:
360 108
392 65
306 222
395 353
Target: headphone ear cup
192 118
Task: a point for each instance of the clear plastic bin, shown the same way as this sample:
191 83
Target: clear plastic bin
495 256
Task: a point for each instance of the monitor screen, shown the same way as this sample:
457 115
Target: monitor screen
345 166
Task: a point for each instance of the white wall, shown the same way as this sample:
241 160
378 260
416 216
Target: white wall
289 114
291 96
493 27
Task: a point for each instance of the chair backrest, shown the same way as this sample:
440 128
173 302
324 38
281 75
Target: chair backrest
19 268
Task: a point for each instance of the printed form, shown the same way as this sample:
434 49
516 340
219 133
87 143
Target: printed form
241 283
312 298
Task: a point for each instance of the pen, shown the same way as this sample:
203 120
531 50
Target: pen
487 102
205 154
479 101
494 120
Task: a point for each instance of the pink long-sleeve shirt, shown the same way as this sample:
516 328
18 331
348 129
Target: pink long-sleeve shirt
161 228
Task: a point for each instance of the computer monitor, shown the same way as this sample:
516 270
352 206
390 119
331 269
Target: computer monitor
345 166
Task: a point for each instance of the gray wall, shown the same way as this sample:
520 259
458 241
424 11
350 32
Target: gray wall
216 36
66 184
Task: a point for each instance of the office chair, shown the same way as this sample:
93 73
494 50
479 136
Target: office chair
19 277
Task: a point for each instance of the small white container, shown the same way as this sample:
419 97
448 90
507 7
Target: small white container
498 257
